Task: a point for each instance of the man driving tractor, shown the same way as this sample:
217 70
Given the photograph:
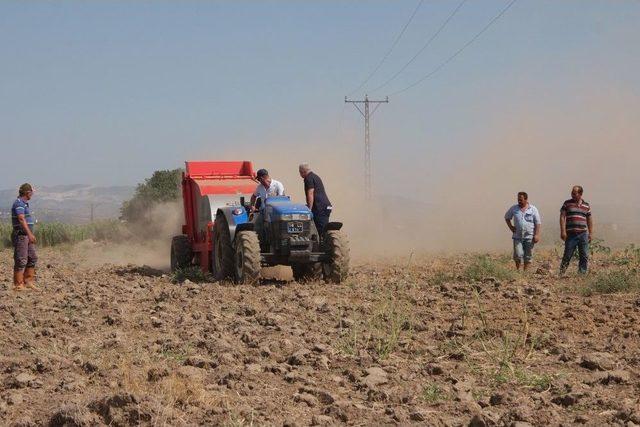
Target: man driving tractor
267 188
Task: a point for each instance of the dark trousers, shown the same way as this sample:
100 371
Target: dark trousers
321 219
580 241
24 252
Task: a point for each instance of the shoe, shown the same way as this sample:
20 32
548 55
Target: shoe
18 281
30 277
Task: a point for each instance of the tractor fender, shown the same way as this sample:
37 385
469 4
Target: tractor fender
333 226
236 222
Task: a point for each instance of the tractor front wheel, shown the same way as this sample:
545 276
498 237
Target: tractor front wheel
181 254
337 246
247 259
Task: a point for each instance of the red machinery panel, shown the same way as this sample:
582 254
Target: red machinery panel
210 179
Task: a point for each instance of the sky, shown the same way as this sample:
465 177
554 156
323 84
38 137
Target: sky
106 92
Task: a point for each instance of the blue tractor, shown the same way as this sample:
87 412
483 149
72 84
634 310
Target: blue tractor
280 232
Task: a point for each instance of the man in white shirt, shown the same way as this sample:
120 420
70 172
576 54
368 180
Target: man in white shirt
525 228
267 188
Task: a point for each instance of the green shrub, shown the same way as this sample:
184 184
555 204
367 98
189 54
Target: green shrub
614 281
56 233
484 267
163 186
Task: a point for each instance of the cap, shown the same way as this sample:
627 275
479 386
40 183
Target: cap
261 173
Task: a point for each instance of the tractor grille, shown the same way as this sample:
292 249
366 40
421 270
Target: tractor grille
302 228
291 234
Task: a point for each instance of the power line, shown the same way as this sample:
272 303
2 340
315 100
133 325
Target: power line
458 52
386 55
426 45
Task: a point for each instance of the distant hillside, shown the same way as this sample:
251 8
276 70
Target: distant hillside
71 203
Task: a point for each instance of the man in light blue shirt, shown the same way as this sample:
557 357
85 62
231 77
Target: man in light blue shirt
525 228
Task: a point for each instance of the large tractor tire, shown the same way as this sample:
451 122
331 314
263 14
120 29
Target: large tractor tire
247 259
222 250
181 253
337 246
307 272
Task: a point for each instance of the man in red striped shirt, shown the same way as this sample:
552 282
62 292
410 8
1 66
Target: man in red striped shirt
576 229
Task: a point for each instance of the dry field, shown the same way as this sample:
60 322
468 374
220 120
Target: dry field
451 340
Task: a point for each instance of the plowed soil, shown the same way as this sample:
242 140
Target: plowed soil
401 342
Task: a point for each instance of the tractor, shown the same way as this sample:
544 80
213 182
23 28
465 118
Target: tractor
224 236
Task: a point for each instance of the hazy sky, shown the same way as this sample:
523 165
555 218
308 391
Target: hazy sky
106 92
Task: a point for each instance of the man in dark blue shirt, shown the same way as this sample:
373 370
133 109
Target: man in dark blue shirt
317 199
24 249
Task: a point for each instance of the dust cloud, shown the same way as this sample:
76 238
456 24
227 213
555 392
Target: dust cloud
533 148
149 243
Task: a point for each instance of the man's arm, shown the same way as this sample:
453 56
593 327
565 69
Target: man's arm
511 226
507 218
563 225
590 226
536 232
310 192
25 227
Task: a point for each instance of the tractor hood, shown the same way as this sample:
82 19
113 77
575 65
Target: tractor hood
283 205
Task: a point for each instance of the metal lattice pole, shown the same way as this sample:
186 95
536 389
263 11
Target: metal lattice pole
367 113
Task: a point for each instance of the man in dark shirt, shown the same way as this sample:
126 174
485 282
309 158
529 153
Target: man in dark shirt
317 199
576 229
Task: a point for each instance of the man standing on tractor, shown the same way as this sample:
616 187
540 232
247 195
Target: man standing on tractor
24 241
267 188
317 199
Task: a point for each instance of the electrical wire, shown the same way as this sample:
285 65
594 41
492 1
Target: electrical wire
424 46
393 45
458 52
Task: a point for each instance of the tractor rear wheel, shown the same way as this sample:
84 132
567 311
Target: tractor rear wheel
247 260
181 254
337 246
306 272
222 249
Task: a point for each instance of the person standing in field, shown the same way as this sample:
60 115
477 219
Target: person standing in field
526 228
576 229
24 241
317 199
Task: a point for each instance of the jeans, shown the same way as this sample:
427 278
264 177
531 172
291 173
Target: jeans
580 241
321 219
522 250
24 252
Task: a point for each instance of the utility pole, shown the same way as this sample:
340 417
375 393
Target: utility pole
93 207
367 113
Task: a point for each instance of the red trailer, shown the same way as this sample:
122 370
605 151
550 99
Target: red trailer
207 186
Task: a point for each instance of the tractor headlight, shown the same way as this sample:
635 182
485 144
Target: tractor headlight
295 217
237 211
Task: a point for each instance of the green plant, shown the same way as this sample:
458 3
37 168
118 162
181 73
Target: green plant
597 246
432 393
483 267
194 274
613 281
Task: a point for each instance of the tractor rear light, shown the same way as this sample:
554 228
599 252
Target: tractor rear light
237 211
